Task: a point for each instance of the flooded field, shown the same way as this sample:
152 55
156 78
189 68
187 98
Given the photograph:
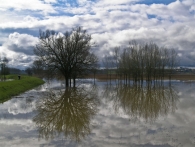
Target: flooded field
105 114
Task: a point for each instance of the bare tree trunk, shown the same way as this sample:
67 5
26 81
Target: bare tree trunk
67 82
94 78
74 82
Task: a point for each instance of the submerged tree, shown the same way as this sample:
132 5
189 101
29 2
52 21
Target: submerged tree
68 54
29 71
94 67
149 62
38 68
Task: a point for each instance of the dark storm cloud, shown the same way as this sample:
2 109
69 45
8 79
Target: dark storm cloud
31 31
21 43
28 50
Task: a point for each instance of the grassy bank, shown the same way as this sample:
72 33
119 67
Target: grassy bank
16 87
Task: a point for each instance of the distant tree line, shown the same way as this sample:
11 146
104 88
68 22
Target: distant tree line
142 62
6 70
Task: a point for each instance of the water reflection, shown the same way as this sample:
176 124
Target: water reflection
140 102
68 113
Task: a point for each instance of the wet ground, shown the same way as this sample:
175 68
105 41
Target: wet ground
103 114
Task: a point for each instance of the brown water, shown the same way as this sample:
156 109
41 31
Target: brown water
100 115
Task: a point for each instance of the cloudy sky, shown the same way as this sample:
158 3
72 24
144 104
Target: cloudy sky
111 23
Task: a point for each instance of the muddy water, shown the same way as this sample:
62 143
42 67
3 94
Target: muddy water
101 115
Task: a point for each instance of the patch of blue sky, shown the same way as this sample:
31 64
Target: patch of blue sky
70 3
149 2
61 6
62 13
34 32
150 16
192 12
69 14
11 9
66 3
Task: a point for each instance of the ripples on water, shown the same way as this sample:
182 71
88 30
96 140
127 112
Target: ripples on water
100 115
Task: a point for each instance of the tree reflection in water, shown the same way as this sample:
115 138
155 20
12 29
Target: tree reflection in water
140 102
67 113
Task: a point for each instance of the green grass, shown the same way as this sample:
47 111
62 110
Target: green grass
9 89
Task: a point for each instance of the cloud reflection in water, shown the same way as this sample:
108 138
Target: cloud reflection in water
147 102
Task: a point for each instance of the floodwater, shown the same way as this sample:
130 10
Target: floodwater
100 115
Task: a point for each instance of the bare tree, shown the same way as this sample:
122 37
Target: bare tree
38 68
4 69
95 66
108 64
116 60
68 53
173 61
29 71
147 61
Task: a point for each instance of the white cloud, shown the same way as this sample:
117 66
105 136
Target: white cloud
21 43
34 5
30 19
50 1
18 48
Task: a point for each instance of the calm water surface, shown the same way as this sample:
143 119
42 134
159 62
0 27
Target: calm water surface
110 115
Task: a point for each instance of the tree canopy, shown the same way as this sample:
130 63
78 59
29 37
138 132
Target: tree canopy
142 61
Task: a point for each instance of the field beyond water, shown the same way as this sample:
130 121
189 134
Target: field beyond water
16 87
185 77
